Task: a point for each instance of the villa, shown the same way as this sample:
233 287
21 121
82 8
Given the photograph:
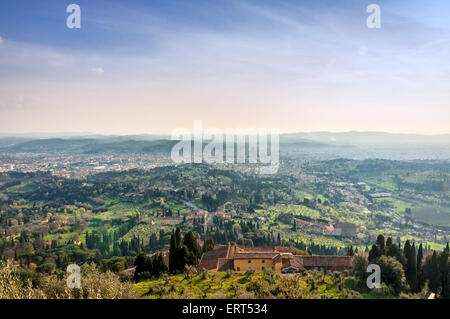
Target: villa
233 257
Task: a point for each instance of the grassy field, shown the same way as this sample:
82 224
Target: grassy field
432 215
400 205
296 210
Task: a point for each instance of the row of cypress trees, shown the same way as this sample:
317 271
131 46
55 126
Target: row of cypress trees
434 268
147 267
182 253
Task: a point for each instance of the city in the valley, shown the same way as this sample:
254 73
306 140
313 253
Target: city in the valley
155 229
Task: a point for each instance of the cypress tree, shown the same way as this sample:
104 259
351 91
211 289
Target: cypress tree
374 253
412 269
434 273
162 263
407 266
420 275
178 238
142 264
172 254
444 274
208 245
407 252
388 242
350 251
159 265
193 248
396 252
380 243
182 256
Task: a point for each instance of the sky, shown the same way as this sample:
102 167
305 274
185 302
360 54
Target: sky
152 66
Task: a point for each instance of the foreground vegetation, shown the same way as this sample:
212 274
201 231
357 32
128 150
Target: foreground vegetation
95 284
310 284
116 219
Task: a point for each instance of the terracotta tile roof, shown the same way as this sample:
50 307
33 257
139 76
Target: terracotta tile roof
219 258
332 262
210 259
225 264
259 249
293 262
277 259
329 262
282 249
253 255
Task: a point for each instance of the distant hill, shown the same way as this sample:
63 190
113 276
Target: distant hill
69 135
89 145
10 141
147 143
370 138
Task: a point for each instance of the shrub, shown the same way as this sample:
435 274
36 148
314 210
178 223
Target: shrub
47 268
260 288
94 285
359 266
143 276
12 287
392 273
249 272
228 273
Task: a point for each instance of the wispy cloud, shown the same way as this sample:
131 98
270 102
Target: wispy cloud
98 70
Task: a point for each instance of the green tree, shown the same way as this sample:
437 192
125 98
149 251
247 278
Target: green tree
350 251
411 269
420 275
392 273
178 254
381 243
178 237
47 268
407 251
388 242
208 245
359 267
159 265
190 241
152 242
395 251
172 254
375 253
431 268
444 274
143 264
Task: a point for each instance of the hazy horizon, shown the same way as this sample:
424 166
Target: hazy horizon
70 133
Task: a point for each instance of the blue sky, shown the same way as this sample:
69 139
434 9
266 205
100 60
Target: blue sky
152 66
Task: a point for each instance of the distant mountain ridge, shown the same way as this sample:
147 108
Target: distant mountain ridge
358 138
90 146
147 143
